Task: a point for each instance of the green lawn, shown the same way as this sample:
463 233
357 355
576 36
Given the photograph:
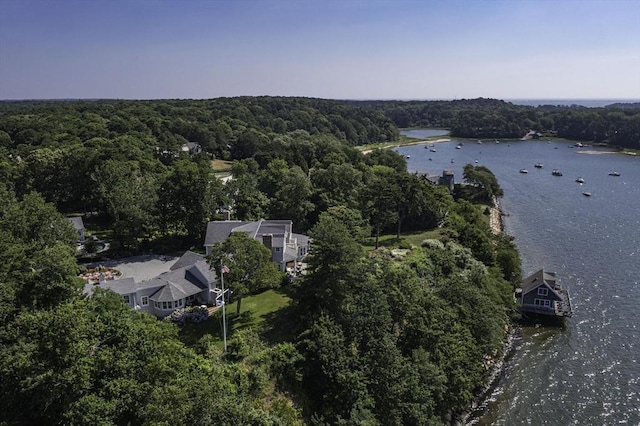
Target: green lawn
413 238
256 311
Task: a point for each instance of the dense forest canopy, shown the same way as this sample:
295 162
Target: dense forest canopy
399 335
616 124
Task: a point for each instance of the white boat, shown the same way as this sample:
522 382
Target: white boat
538 165
524 171
614 174
556 172
580 180
586 194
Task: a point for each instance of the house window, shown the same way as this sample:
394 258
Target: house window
166 305
542 302
144 300
277 248
543 291
126 299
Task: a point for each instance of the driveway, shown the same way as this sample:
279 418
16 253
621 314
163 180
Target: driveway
140 268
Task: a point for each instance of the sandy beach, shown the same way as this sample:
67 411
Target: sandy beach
420 142
591 152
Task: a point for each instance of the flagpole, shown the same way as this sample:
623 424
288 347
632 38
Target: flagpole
224 321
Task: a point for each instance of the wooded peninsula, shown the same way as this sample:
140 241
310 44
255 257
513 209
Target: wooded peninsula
406 301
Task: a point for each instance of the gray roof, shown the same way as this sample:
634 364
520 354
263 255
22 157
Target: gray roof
538 278
77 223
187 259
172 285
218 231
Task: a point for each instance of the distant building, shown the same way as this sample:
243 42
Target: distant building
191 148
446 179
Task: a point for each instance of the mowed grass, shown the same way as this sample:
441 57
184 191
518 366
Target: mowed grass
413 238
221 165
255 312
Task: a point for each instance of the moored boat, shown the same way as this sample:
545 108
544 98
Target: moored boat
614 174
524 171
586 194
556 172
580 180
538 165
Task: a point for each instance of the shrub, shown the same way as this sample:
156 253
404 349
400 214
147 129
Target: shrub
191 314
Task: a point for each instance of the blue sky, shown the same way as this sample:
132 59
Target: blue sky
544 49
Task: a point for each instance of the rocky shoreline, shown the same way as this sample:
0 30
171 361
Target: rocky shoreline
496 223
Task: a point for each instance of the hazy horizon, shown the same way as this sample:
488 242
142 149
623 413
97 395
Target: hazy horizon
358 50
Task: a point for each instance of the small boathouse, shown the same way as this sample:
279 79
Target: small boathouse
542 295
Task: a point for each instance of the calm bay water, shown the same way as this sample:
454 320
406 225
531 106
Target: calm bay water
587 373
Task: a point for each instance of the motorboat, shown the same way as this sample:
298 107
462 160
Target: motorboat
580 180
538 165
614 174
524 171
586 194
432 150
556 172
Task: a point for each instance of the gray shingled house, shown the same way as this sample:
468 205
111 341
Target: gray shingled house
543 295
189 281
287 248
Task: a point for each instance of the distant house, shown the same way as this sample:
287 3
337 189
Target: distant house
287 248
189 281
78 225
191 148
447 179
542 294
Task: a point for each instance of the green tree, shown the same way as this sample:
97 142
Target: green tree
130 198
250 267
188 197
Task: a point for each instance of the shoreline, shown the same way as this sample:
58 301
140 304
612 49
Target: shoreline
496 221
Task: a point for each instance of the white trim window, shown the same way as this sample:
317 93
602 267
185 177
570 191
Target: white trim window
127 299
144 300
542 303
543 291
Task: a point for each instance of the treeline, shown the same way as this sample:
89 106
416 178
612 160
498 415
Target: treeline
617 125
214 124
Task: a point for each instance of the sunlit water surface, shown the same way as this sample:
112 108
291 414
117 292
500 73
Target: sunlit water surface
587 373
